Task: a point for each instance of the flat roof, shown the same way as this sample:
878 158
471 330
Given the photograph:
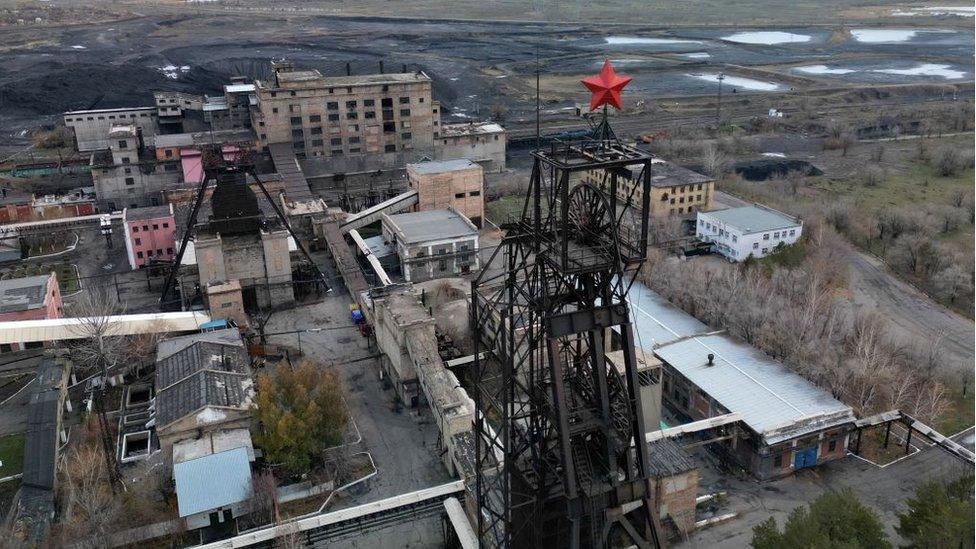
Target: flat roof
213 481
297 78
753 219
120 109
23 294
657 321
427 225
239 88
470 128
669 174
443 166
148 212
775 402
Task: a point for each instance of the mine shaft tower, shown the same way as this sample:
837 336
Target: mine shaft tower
556 423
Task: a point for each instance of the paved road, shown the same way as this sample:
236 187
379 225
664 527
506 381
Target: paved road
911 314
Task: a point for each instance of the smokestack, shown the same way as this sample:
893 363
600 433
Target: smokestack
381 66
404 68
348 69
711 359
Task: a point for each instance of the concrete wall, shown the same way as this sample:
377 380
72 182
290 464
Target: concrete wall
487 149
91 127
461 189
664 201
422 262
262 262
129 186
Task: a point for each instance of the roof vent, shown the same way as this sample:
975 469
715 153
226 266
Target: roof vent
711 359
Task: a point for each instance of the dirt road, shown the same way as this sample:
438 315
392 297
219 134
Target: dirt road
911 314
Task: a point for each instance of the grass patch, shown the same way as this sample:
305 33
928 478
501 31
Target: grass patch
961 413
12 454
7 492
506 208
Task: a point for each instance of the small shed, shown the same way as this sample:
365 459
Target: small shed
211 490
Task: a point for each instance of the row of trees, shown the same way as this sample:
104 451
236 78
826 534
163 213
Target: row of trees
940 515
794 314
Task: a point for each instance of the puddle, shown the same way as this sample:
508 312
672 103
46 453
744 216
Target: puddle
174 72
636 40
823 69
79 48
926 69
882 36
957 11
774 155
697 55
739 82
767 38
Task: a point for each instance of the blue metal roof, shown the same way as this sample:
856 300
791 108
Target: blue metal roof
213 481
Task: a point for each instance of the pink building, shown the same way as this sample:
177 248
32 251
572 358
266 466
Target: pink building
150 234
29 298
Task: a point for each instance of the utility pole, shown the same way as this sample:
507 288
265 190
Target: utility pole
718 108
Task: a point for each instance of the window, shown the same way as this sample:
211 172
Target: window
350 104
315 118
681 210
135 228
352 116
420 99
155 226
336 152
130 181
165 225
149 253
170 167
354 128
792 232
274 110
778 460
169 153
354 150
369 115
832 445
755 245
316 131
458 195
169 251
776 235
369 102
317 143
387 101
334 117
404 100
138 242
699 186
765 250
296 121
698 198
294 108
390 148
332 105
672 201
406 135
389 127
474 193
123 144
337 141
766 236
735 238
404 112
297 134
139 255
144 227
128 170
159 252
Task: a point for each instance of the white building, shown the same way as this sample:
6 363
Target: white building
751 230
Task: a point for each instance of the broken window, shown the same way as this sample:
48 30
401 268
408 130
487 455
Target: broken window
404 112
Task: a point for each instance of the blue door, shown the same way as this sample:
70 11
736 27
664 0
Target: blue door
806 457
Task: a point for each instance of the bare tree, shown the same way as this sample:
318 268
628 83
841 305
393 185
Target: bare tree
714 161
948 161
90 508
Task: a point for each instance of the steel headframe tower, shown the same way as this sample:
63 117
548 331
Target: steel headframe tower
555 422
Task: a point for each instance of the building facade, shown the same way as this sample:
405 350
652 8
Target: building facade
127 175
432 244
481 142
345 116
675 191
457 184
91 128
150 234
29 298
751 231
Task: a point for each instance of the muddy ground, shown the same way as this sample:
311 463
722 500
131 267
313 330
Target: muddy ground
475 65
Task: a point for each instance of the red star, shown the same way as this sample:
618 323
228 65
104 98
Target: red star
606 87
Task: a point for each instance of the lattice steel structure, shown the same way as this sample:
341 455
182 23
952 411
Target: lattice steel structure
555 422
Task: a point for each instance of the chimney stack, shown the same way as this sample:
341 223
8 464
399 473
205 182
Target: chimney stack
404 68
348 69
711 359
381 66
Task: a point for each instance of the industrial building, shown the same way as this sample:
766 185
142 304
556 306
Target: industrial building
750 231
433 243
457 184
91 127
481 142
674 190
126 173
150 234
782 421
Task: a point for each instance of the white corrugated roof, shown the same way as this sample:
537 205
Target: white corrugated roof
211 482
774 401
62 329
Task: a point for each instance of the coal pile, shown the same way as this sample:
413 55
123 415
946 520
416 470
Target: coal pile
768 168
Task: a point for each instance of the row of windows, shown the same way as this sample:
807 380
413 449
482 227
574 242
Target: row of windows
691 209
351 115
681 189
472 193
159 253
155 226
110 117
681 200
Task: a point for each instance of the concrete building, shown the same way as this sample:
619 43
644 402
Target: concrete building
756 231
346 116
29 298
172 108
233 109
19 206
674 190
91 128
203 385
786 422
226 302
433 243
482 142
241 243
150 234
457 184
127 174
